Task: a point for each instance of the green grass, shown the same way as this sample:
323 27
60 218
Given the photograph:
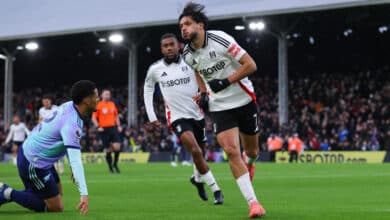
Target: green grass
158 191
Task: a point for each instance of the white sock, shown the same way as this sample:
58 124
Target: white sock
7 193
208 178
14 160
245 185
196 174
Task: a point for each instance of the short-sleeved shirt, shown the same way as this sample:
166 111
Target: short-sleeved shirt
45 113
106 113
47 142
218 59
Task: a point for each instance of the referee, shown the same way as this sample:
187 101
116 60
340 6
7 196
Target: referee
106 119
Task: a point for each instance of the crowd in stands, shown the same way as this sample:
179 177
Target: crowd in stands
329 111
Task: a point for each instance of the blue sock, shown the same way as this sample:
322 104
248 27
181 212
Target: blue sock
28 200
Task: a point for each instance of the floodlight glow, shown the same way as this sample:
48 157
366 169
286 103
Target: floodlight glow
31 46
239 27
116 38
296 35
20 47
348 32
311 40
259 26
102 40
383 29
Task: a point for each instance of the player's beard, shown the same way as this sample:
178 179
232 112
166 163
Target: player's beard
192 37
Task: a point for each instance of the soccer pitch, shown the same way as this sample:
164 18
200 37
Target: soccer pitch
159 191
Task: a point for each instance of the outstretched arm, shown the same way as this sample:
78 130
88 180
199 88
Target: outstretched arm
74 157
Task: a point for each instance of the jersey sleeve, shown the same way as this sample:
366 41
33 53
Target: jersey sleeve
115 110
71 134
26 129
10 134
96 114
232 49
74 158
41 113
150 83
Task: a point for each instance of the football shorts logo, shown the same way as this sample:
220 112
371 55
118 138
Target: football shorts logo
178 128
46 178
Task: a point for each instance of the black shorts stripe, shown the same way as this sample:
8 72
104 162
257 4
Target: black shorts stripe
220 42
220 38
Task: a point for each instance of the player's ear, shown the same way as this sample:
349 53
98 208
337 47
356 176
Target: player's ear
201 25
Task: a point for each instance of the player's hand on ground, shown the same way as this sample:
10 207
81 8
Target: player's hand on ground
218 84
100 129
83 205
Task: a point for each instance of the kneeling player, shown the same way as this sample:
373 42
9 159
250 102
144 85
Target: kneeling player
49 141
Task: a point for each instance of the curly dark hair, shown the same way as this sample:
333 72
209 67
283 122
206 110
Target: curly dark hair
196 12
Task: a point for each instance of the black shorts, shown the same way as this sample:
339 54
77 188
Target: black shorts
109 135
244 117
197 127
18 143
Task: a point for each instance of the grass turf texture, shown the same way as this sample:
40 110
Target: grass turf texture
158 191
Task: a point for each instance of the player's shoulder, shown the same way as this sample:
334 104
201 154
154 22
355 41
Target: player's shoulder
72 116
220 37
187 53
156 64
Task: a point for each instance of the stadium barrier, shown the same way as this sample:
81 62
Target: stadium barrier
337 157
123 157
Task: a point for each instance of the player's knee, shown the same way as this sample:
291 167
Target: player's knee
254 152
117 147
56 208
232 152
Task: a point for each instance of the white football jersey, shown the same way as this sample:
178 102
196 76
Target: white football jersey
46 113
218 59
17 132
178 85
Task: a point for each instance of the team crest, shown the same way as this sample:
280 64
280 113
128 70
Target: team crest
212 54
184 68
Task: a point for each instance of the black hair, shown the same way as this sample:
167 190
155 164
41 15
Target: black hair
82 89
47 96
196 12
168 35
